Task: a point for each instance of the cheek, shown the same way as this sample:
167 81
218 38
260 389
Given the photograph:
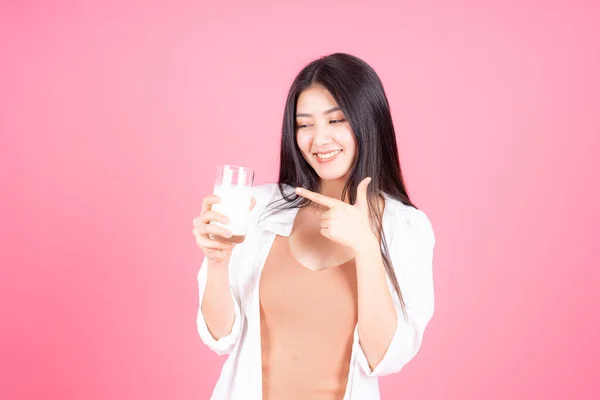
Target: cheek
304 141
346 139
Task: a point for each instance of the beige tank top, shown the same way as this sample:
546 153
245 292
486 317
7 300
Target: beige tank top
307 327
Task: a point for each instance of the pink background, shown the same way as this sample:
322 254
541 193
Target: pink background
113 116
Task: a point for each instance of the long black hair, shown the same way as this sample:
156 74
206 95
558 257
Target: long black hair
359 93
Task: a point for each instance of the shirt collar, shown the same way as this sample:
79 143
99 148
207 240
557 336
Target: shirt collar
279 222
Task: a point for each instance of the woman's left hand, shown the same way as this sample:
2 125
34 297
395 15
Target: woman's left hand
345 223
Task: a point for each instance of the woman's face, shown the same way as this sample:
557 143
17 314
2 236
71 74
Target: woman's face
323 134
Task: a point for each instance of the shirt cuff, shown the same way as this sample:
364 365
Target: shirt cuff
403 347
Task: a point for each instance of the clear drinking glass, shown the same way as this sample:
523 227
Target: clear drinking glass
234 186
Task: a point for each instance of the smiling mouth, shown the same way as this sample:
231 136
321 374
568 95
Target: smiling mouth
326 156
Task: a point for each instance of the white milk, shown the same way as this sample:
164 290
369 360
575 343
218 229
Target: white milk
235 204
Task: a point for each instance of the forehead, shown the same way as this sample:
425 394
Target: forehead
315 100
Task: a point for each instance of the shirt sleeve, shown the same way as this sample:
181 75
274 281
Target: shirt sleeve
225 344
411 253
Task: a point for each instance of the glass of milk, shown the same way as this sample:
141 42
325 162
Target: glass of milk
234 186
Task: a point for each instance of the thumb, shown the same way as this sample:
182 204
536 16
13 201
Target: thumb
361 194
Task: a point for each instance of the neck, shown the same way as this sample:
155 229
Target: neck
333 188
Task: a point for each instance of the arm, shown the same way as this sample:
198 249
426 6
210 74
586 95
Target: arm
377 318
219 319
380 352
217 304
384 340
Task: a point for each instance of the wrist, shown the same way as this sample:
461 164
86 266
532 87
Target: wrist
367 246
220 265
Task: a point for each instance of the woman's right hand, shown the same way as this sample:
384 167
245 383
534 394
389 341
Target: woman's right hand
215 250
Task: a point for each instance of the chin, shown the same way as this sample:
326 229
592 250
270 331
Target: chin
330 175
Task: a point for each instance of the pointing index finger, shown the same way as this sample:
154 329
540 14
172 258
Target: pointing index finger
317 197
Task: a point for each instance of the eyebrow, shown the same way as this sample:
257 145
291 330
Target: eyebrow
325 113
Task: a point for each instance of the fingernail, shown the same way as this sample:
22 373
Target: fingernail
229 234
225 220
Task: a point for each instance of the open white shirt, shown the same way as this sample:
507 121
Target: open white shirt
410 241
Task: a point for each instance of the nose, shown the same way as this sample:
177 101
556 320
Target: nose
322 135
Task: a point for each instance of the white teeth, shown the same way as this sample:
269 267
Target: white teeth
328 155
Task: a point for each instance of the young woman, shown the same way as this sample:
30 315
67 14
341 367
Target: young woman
333 284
